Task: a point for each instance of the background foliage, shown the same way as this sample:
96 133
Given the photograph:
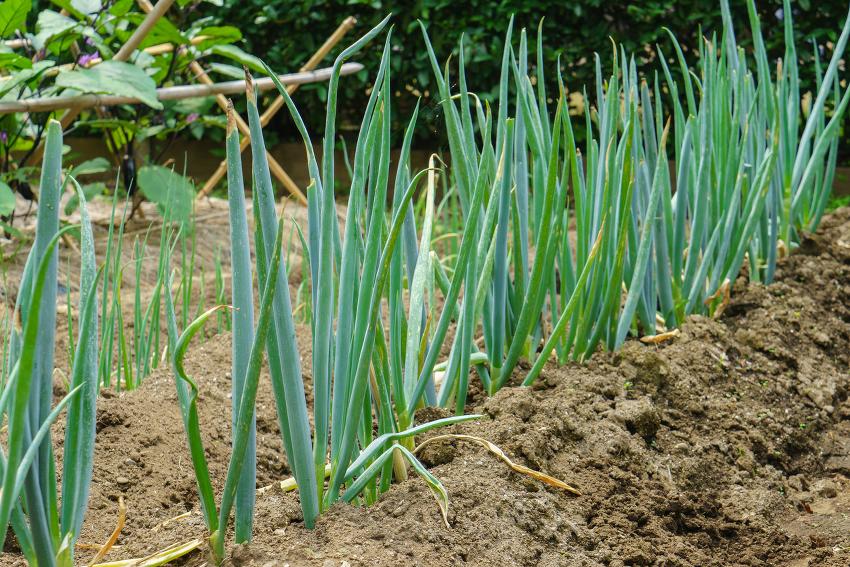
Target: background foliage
572 31
56 48
285 34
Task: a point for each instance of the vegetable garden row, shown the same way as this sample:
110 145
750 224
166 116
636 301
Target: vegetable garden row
562 248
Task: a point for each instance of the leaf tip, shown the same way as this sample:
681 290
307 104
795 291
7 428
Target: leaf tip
231 118
249 85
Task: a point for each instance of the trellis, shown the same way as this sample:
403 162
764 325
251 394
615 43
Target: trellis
73 105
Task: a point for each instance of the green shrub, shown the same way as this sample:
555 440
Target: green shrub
573 32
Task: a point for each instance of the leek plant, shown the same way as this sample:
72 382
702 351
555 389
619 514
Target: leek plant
114 344
30 498
526 269
350 274
223 320
248 362
358 367
748 183
147 313
801 182
243 325
126 360
603 241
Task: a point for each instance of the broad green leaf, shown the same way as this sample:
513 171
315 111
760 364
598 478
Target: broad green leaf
13 16
121 7
51 25
19 78
112 77
162 32
231 71
238 55
199 105
218 35
14 61
86 7
166 188
88 167
7 199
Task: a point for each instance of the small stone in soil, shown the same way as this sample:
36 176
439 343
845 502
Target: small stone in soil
828 490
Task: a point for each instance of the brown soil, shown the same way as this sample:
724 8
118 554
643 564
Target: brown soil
727 446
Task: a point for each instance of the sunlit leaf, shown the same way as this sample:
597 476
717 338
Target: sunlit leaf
112 77
87 7
50 26
7 199
167 188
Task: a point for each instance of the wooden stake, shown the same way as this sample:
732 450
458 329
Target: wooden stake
278 103
274 167
81 102
123 54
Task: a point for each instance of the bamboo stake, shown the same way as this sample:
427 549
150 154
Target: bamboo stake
142 31
275 168
278 102
346 25
123 54
81 102
161 48
17 43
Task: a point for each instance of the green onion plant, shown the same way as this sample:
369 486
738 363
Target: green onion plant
355 390
651 220
47 519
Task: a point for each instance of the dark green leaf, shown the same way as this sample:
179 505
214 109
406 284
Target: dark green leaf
13 16
236 54
88 167
218 35
14 61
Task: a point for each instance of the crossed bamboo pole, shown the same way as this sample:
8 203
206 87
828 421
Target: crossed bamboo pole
201 75
273 108
123 55
75 105
179 92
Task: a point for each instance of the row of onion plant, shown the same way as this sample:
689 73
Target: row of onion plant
46 517
561 246
584 246
366 378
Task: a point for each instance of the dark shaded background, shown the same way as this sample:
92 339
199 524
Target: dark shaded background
286 33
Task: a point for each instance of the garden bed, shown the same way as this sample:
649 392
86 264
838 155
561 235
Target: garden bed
728 445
